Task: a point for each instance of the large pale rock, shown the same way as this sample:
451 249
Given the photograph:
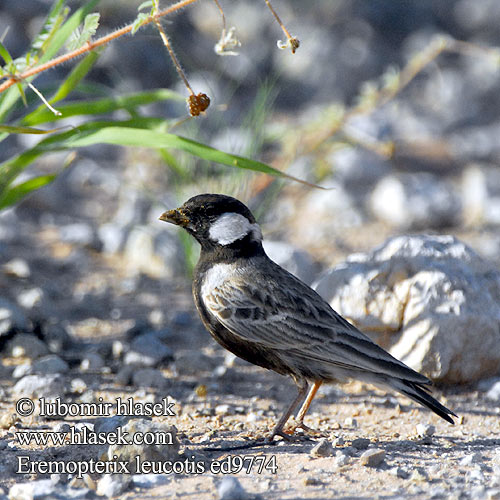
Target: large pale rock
431 300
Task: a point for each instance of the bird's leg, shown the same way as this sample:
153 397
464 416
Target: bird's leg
305 406
278 429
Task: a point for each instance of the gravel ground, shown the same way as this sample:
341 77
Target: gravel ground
372 444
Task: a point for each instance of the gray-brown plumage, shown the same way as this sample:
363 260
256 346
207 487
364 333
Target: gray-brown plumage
265 315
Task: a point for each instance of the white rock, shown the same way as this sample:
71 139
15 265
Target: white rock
425 429
230 489
415 200
437 297
112 485
494 392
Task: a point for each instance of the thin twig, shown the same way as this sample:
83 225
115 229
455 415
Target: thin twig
171 52
90 46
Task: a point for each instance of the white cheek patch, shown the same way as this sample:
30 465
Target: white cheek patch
230 227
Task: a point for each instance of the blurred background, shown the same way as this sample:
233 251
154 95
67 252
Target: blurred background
394 106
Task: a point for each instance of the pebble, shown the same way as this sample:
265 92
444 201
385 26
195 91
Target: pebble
425 430
147 350
361 443
494 392
342 458
92 361
78 386
51 364
30 298
157 452
471 459
112 485
26 345
7 420
21 370
11 317
194 362
149 377
230 489
17 268
350 422
48 386
322 449
400 472
372 458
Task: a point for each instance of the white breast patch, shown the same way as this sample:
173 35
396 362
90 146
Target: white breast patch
230 227
215 277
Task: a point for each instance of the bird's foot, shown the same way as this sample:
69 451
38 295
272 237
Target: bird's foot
289 436
308 430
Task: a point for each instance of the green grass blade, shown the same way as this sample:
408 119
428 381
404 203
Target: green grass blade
17 193
102 106
11 129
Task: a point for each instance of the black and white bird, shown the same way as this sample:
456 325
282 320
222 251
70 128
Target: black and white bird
265 315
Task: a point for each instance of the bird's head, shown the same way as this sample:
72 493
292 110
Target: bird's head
216 221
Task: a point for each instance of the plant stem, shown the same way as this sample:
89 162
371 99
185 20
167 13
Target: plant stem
87 47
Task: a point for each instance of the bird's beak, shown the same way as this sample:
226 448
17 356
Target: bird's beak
175 217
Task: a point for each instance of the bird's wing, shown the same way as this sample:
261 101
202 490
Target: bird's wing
285 314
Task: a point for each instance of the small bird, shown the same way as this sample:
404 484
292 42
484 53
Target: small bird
265 315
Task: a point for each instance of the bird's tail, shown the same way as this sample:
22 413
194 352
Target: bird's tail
420 394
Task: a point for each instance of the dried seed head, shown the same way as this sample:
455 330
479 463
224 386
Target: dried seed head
197 104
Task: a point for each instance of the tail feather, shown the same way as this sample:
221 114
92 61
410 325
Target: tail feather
419 394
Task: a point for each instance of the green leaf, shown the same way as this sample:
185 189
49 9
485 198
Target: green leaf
139 20
79 38
5 54
101 106
25 130
148 4
128 136
9 98
18 192
64 32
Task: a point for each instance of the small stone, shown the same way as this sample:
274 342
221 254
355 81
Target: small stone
230 489
350 422
30 298
78 386
425 430
361 443
372 458
342 458
468 460
7 420
147 350
223 410
339 441
494 392
92 361
112 485
322 449
18 268
194 362
165 447
12 317
49 364
26 345
43 488
48 386
21 370
149 377
400 472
